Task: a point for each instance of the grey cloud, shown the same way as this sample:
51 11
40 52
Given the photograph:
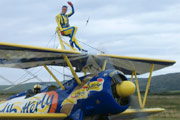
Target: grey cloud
121 7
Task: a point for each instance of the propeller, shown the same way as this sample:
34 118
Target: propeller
122 89
125 89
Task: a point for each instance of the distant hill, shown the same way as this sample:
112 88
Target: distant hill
159 84
23 87
162 83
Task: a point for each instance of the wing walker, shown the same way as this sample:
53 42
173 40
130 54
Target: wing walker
103 93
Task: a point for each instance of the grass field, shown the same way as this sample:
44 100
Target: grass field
3 97
170 102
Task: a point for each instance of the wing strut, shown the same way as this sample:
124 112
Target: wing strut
61 41
65 57
85 71
72 70
59 83
104 65
142 104
148 85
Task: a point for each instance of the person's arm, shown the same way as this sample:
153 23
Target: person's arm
72 8
58 19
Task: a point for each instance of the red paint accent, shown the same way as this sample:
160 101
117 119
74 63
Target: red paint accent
55 101
84 87
100 79
72 96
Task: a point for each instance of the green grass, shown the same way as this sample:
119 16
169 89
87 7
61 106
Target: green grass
170 102
3 97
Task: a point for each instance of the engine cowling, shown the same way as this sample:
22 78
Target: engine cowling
114 98
121 88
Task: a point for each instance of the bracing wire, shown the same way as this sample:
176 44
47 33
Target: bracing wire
92 47
15 85
53 36
21 77
5 79
30 73
61 73
26 74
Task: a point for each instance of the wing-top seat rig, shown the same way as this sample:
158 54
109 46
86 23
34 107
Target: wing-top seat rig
102 93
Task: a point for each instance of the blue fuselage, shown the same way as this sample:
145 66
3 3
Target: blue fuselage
94 97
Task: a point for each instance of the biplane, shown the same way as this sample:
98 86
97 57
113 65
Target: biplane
103 93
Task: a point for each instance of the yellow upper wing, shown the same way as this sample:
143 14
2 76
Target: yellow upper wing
23 56
32 116
129 64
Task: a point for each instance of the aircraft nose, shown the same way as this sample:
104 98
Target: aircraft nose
125 88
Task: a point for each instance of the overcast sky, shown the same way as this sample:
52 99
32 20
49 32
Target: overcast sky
142 28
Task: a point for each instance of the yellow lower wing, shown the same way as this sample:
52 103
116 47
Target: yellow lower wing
136 113
32 116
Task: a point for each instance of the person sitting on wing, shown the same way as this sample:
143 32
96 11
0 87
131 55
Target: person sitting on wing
66 30
37 89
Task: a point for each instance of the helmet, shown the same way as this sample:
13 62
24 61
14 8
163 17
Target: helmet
37 88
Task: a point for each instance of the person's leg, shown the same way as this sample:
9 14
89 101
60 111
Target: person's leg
75 40
68 32
71 31
77 44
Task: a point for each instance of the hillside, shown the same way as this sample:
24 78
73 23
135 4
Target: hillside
162 83
23 87
159 84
